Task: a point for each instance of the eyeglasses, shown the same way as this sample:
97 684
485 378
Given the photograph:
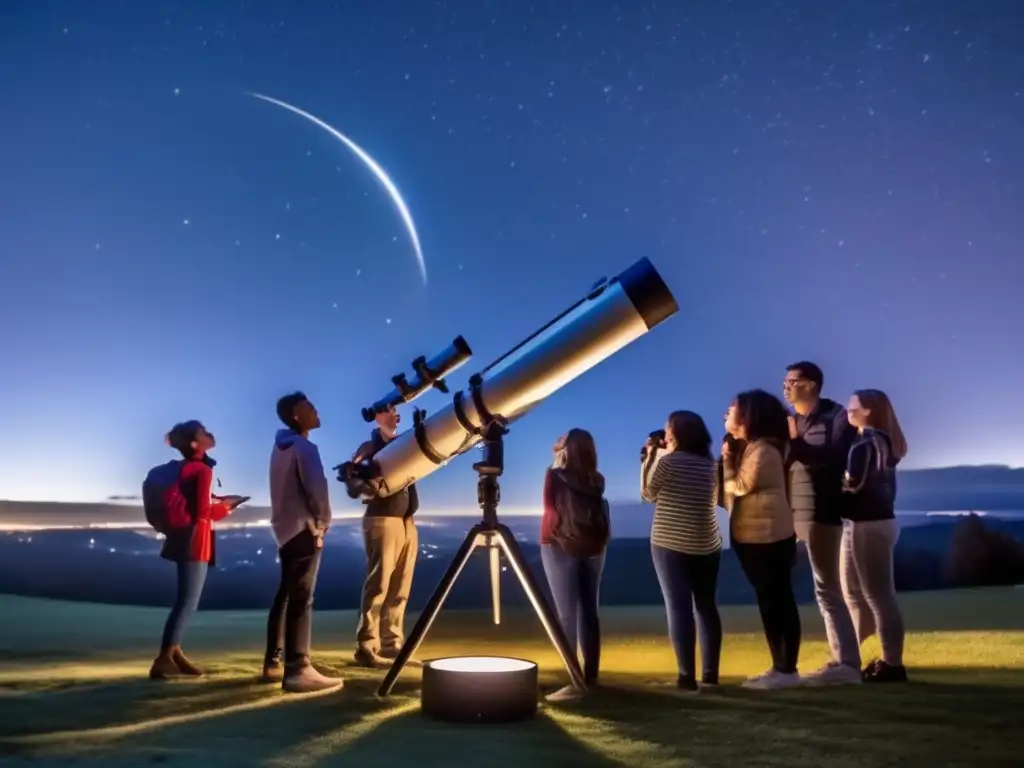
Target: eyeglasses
789 383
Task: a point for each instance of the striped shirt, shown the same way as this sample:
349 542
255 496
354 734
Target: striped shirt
683 487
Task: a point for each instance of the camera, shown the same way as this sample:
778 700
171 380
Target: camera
657 439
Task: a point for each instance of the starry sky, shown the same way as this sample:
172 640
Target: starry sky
823 180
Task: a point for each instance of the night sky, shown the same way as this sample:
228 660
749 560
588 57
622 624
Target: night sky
827 180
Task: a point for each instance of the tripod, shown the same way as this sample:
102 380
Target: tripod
494 536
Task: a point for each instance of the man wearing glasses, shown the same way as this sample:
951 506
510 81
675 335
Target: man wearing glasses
820 436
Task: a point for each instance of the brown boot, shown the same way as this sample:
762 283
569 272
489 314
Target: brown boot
164 667
182 662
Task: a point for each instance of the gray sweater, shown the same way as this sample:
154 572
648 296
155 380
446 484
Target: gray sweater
298 487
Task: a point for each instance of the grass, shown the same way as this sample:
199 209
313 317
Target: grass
73 691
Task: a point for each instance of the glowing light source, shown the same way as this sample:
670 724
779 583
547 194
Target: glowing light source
479 689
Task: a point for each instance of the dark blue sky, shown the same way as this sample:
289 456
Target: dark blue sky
824 180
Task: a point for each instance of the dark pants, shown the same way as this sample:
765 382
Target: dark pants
290 624
191 578
575 584
769 569
689 582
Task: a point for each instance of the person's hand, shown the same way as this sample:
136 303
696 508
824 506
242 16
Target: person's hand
793 434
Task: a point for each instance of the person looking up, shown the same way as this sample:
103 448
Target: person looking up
300 516
190 543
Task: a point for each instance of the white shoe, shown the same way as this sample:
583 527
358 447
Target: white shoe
307 680
568 693
754 678
834 673
774 680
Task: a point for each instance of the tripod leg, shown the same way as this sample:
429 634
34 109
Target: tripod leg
540 605
430 610
494 551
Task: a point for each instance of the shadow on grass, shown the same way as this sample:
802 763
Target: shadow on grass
947 717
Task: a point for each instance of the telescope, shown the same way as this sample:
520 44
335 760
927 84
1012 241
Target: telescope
613 314
428 374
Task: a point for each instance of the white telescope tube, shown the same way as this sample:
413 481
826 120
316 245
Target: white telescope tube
613 314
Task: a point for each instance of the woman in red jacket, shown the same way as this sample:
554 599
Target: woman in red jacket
191 547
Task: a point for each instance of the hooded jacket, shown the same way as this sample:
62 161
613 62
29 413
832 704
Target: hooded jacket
560 486
870 479
817 459
299 498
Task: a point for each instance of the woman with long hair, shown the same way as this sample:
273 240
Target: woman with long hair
191 547
574 536
761 525
871 531
686 544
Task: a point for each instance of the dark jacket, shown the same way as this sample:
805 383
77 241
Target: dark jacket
575 513
870 479
817 460
402 504
196 543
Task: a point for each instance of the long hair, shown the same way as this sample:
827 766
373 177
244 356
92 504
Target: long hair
581 456
690 433
764 417
882 416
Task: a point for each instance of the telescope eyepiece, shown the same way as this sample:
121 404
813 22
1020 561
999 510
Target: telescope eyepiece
429 374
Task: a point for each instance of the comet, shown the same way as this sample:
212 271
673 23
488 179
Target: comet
375 169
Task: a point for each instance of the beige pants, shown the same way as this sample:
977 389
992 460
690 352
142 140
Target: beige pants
391 547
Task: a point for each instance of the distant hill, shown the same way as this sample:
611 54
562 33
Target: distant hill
989 488
122 567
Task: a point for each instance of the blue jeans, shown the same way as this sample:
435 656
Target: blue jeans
688 582
574 586
191 577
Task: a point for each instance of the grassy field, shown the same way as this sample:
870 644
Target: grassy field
73 691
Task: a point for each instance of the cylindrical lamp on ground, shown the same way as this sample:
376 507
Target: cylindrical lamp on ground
479 689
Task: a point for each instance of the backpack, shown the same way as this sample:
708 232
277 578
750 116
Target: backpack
584 524
165 505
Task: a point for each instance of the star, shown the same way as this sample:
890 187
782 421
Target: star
177 91
277 237
185 222
387 320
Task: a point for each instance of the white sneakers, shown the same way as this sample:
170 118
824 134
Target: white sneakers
306 679
773 680
834 673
